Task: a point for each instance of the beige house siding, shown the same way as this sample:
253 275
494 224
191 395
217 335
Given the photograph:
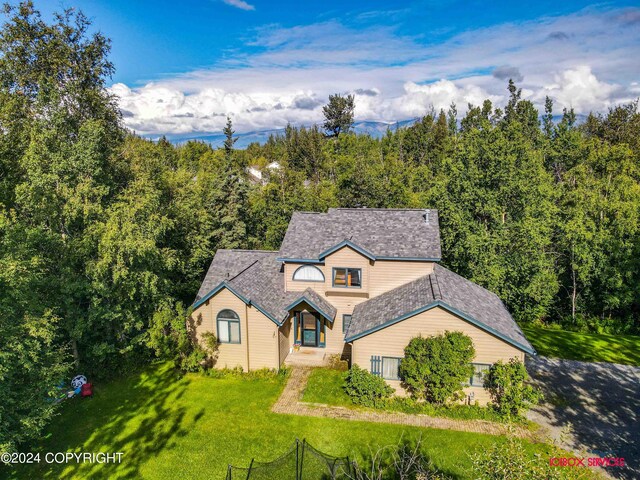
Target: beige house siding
285 340
258 347
390 342
349 258
377 277
385 275
298 286
263 341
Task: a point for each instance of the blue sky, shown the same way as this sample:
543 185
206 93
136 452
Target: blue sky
183 66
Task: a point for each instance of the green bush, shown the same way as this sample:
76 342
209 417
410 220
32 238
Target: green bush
365 388
509 460
506 383
435 368
171 337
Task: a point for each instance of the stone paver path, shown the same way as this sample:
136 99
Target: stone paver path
290 403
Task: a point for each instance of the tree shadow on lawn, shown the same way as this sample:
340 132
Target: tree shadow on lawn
138 416
601 403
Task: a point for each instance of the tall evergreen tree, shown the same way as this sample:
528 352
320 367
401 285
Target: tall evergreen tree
231 202
338 114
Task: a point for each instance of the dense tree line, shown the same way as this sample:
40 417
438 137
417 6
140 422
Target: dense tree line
544 213
101 229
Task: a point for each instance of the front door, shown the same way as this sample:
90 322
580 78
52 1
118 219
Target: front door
309 329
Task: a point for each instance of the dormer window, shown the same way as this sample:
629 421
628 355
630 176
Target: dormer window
308 273
347 277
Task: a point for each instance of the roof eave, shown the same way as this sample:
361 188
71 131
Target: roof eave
304 299
411 259
247 301
299 260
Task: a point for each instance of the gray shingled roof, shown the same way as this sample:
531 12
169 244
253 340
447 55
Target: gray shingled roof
318 300
257 276
442 287
395 233
227 264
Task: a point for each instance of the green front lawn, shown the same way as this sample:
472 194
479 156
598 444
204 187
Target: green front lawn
325 386
191 427
587 347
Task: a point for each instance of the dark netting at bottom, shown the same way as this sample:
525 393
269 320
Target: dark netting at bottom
316 465
300 462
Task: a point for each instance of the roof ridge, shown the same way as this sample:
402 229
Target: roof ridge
246 250
367 209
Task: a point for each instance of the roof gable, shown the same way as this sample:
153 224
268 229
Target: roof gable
384 234
443 289
315 301
257 278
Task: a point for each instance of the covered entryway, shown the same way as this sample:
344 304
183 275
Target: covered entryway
311 319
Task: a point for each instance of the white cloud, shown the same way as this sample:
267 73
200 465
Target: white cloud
579 88
241 4
574 59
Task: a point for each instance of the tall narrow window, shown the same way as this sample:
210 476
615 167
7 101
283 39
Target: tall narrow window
347 277
228 327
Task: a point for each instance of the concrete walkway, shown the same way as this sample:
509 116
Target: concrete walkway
290 403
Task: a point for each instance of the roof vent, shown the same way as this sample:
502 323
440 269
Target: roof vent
426 216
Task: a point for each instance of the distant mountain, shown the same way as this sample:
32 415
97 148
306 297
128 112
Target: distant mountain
375 129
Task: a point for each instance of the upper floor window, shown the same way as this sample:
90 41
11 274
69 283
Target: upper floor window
347 277
228 327
308 273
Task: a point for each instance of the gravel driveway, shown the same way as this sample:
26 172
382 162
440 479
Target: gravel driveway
600 400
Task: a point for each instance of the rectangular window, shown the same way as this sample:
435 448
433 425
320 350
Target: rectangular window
346 320
347 277
479 371
391 368
228 331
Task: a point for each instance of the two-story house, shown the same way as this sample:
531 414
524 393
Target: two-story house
359 283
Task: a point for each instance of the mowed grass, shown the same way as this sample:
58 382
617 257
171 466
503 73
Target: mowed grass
587 347
325 385
191 427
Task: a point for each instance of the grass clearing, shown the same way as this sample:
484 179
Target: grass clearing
586 347
191 427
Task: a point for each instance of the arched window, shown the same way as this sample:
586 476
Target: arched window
308 273
228 327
